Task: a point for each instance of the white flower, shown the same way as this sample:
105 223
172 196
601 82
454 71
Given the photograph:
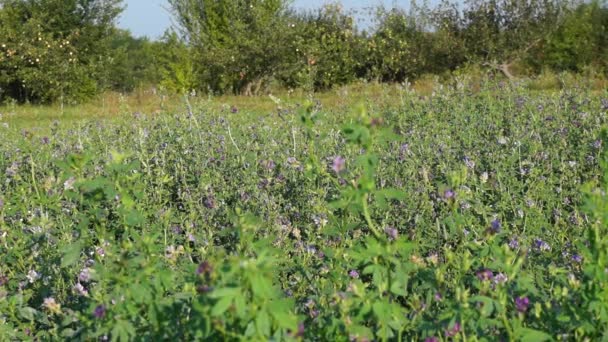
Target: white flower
483 177
32 276
80 290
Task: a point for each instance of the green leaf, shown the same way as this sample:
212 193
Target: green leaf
262 323
221 306
71 254
225 292
260 285
27 313
487 305
531 335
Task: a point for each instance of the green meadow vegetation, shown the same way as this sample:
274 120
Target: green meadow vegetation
397 184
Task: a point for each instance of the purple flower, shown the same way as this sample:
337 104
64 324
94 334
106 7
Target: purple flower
85 275
209 202
268 164
449 194
451 332
338 165
234 110
176 229
541 245
300 332
204 268
45 140
495 226
577 258
391 232
353 274
469 163
597 144
431 339
100 311
438 297
522 304
514 243
500 278
204 289
485 275
80 290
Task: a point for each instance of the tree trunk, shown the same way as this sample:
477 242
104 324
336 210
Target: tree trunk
505 68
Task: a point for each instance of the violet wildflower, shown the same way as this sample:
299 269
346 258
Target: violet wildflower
453 331
522 304
353 274
80 290
85 275
438 297
597 144
392 233
209 202
100 311
449 194
300 331
541 245
469 163
500 278
431 339
100 251
268 164
514 243
234 110
204 268
577 258
338 164
495 226
485 275
176 229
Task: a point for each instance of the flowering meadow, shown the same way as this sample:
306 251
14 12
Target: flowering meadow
463 215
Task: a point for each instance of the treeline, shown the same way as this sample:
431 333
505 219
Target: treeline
70 50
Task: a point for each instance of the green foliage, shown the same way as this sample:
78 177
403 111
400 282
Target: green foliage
134 62
239 43
581 40
53 50
457 216
177 66
328 48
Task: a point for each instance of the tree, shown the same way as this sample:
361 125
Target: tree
54 49
499 33
134 62
239 42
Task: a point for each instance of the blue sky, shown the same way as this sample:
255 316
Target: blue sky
150 18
